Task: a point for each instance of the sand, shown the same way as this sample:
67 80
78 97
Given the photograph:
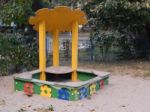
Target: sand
123 94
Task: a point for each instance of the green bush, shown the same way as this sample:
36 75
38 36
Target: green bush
17 52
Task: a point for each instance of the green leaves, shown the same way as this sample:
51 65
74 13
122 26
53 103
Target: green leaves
16 11
116 13
17 52
130 18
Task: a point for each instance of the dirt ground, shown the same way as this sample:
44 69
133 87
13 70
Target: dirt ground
133 67
128 91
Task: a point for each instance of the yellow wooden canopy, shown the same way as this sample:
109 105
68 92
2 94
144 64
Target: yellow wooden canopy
60 18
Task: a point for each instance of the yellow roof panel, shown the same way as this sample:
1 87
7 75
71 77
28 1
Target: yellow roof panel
60 18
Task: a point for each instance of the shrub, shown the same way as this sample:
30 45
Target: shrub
17 52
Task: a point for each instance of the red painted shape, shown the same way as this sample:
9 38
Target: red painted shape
28 89
102 84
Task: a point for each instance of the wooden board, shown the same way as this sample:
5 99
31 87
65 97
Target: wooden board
59 70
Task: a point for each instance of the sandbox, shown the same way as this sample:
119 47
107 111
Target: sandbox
89 81
67 83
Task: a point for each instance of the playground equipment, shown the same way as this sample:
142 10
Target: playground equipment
68 83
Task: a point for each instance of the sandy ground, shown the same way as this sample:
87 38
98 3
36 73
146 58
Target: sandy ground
124 94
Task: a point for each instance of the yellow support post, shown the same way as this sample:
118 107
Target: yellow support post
55 48
74 50
42 50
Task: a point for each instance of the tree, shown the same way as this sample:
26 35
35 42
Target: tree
130 17
19 49
107 14
16 11
19 11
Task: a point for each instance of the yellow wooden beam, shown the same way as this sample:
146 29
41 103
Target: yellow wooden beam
74 50
55 48
42 50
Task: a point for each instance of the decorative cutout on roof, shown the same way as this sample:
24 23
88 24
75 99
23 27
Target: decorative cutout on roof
60 18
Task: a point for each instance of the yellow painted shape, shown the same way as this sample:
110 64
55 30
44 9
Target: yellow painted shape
55 48
60 18
45 91
42 50
92 89
74 50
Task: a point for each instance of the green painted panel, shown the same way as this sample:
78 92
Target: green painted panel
71 96
37 88
54 92
85 76
97 85
88 89
19 85
106 81
74 94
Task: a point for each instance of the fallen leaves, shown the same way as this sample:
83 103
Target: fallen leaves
2 102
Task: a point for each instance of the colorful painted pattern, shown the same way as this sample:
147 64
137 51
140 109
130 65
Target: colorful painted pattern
57 92
45 91
28 89
74 91
63 94
102 84
92 89
83 92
